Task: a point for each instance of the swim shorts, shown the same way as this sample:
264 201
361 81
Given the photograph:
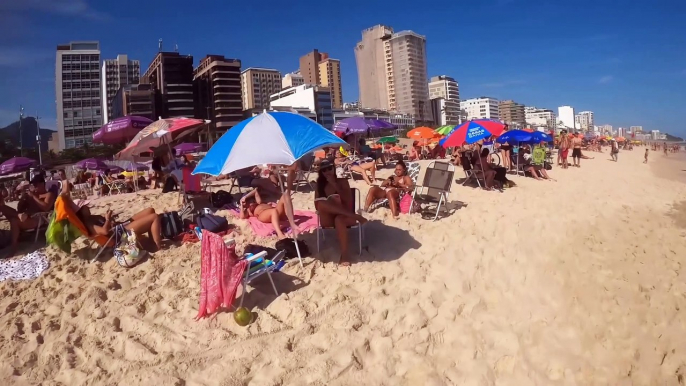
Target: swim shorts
576 153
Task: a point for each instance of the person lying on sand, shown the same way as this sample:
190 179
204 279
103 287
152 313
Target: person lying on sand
393 188
334 202
359 167
251 205
145 221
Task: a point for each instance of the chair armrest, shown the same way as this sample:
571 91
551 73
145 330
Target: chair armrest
256 256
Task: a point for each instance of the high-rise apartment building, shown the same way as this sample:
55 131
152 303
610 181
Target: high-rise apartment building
77 93
292 79
134 99
584 120
565 117
257 84
447 88
512 113
115 74
171 76
480 108
636 129
308 98
540 117
217 83
392 71
318 68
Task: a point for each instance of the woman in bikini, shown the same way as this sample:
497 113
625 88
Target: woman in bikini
334 203
251 205
357 166
393 188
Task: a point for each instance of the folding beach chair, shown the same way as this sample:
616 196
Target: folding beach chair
413 169
43 218
189 184
435 186
469 171
356 208
253 266
82 190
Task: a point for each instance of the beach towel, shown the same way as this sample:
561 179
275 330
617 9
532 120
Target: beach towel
26 268
305 220
68 222
220 274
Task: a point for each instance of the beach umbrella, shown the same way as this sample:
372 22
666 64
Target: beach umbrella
472 131
387 140
16 165
158 133
445 130
539 136
514 136
360 125
278 138
620 139
422 133
139 167
120 130
92 164
186 147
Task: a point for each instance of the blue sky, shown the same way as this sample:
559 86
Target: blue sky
624 59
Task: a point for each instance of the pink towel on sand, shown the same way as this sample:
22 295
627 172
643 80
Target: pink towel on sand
305 220
220 274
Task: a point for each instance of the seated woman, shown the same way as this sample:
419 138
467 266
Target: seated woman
145 221
412 154
527 161
357 166
393 188
251 205
334 202
480 162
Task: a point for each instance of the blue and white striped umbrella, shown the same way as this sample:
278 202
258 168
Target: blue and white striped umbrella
278 138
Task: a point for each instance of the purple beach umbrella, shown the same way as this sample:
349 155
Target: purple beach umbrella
120 130
16 165
185 148
360 125
92 164
137 166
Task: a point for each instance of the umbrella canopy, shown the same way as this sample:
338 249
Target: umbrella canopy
120 130
472 131
539 136
158 133
387 140
360 125
514 136
16 165
140 167
92 164
278 138
620 139
187 147
445 130
421 133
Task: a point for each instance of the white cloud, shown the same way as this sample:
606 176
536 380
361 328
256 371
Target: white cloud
21 57
60 7
606 79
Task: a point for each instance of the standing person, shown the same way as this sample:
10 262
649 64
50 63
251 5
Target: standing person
576 151
564 148
645 161
665 147
615 149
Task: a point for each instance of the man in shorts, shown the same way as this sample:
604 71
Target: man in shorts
564 148
576 150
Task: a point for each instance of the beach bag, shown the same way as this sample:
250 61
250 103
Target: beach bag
212 223
547 165
200 200
169 185
288 245
172 225
221 199
405 204
188 213
127 251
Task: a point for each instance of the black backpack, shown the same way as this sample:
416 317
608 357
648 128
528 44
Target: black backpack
172 225
288 245
169 185
221 198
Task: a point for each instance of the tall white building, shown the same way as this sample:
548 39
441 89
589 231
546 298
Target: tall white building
292 79
313 98
77 93
392 71
115 74
482 107
565 117
655 135
540 117
636 129
584 120
447 88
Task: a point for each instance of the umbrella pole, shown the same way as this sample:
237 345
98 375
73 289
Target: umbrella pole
286 195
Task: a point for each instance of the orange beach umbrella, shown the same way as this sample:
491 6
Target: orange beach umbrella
422 133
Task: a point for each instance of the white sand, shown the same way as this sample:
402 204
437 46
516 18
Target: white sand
574 282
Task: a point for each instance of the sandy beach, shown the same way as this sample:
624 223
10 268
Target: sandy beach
573 282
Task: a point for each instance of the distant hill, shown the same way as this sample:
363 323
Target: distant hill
673 138
10 134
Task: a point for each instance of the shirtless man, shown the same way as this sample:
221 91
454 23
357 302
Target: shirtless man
576 151
251 205
564 148
36 200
